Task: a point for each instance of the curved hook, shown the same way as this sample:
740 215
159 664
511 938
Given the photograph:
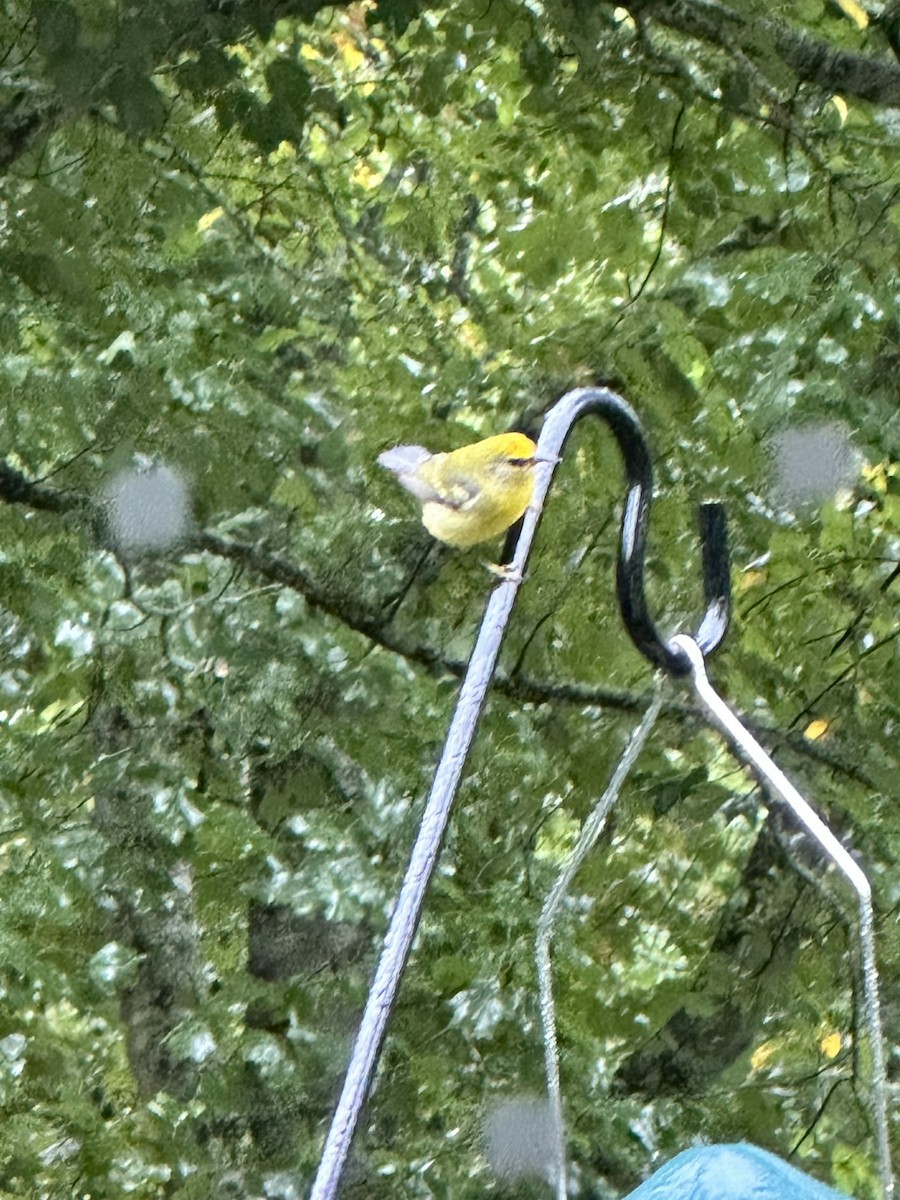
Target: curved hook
628 432
405 918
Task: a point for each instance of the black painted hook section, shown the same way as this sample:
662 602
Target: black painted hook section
710 633
632 556
716 587
629 434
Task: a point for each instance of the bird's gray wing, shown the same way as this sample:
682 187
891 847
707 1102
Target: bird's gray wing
405 462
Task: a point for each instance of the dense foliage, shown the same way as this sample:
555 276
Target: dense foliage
246 247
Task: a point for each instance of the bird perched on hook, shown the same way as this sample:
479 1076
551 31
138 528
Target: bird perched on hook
471 494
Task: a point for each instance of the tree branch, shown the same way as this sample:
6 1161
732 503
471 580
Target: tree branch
15 488
812 61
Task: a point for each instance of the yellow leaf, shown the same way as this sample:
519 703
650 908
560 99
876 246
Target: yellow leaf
815 730
236 50
841 105
209 219
348 50
750 579
877 476
854 11
366 176
830 1044
284 150
60 710
762 1056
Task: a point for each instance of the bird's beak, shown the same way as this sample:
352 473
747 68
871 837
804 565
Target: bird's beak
547 458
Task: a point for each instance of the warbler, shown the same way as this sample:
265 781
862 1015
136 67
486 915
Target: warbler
471 494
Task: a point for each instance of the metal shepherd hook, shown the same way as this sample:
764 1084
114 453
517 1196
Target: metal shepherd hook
624 424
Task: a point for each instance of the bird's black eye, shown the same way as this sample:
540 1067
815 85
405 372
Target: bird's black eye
520 462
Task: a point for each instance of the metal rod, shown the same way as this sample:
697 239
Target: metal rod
778 785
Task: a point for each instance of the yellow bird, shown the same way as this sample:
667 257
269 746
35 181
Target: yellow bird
471 494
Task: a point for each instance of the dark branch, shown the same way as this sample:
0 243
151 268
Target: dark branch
812 61
15 488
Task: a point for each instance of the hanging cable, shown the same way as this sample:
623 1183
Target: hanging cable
587 839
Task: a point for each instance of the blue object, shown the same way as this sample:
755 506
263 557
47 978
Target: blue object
736 1172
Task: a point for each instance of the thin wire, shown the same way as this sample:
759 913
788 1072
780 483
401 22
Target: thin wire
778 785
587 839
